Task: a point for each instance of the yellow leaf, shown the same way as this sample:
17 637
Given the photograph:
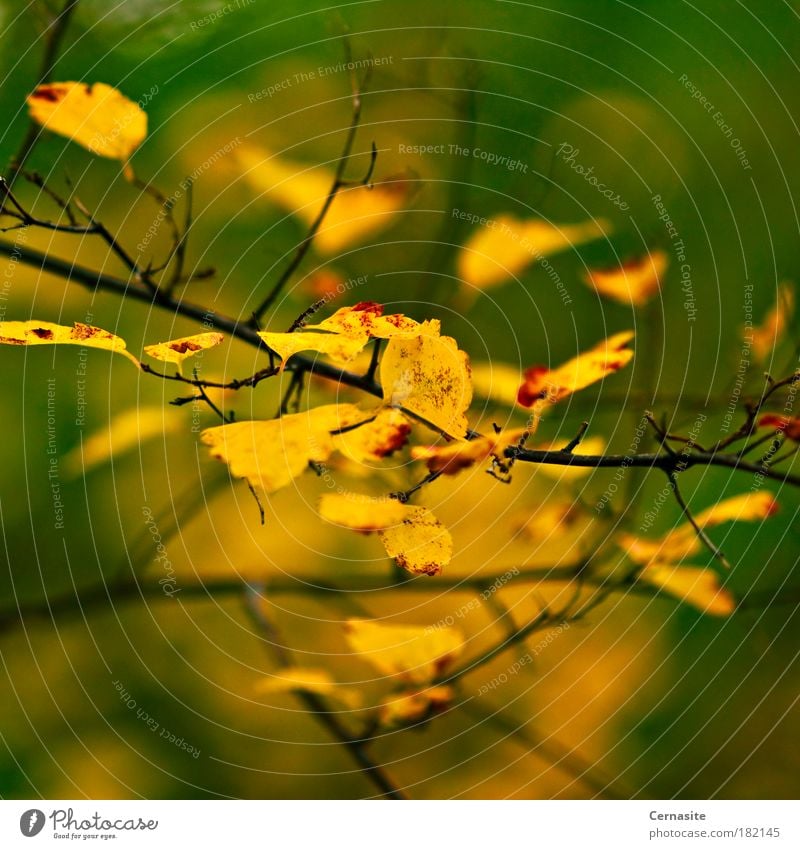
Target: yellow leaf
97 117
411 535
286 345
552 385
367 321
551 520
748 507
356 213
375 440
270 454
505 246
416 654
428 376
47 333
633 282
124 432
177 350
415 705
451 459
293 679
698 587
765 337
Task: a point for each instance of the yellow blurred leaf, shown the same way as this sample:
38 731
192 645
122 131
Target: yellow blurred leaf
633 282
699 587
375 440
270 454
356 213
506 245
124 432
428 376
293 679
416 654
748 507
765 336
552 385
411 535
496 382
549 520
96 116
177 350
415 705
47 333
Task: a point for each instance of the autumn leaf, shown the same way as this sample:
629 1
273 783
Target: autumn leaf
786 425
271 454
506 245
429 377
552 385
357 212
633 282
764 337
551 520
452 458
375 440
415 654
177 350
294 679
366 321
699 587
286 345
411 535
47 333
125 431
96 116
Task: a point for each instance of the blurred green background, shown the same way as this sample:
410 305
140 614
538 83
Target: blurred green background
665 701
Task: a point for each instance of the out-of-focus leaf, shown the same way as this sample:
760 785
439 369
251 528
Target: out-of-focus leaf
293 679
47 333
765 336
413 653
633 282
552 385
356 213
505 246
787 425
699 587
428 376
97 117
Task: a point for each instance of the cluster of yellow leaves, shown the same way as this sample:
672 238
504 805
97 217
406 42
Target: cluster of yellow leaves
661 559
763 338
415 656
356 213
411 535
46 333
504 246
633 282
96 116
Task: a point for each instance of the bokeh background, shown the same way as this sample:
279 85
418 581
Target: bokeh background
646 697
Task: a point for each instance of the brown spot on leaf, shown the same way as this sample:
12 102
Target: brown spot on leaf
184 347
42 333
48 93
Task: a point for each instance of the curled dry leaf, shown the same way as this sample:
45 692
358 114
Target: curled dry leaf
271 454
413 653
97 117
47 333
411 535
293 679
177 350
428 376
357 212
552 385
633 282
504 246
